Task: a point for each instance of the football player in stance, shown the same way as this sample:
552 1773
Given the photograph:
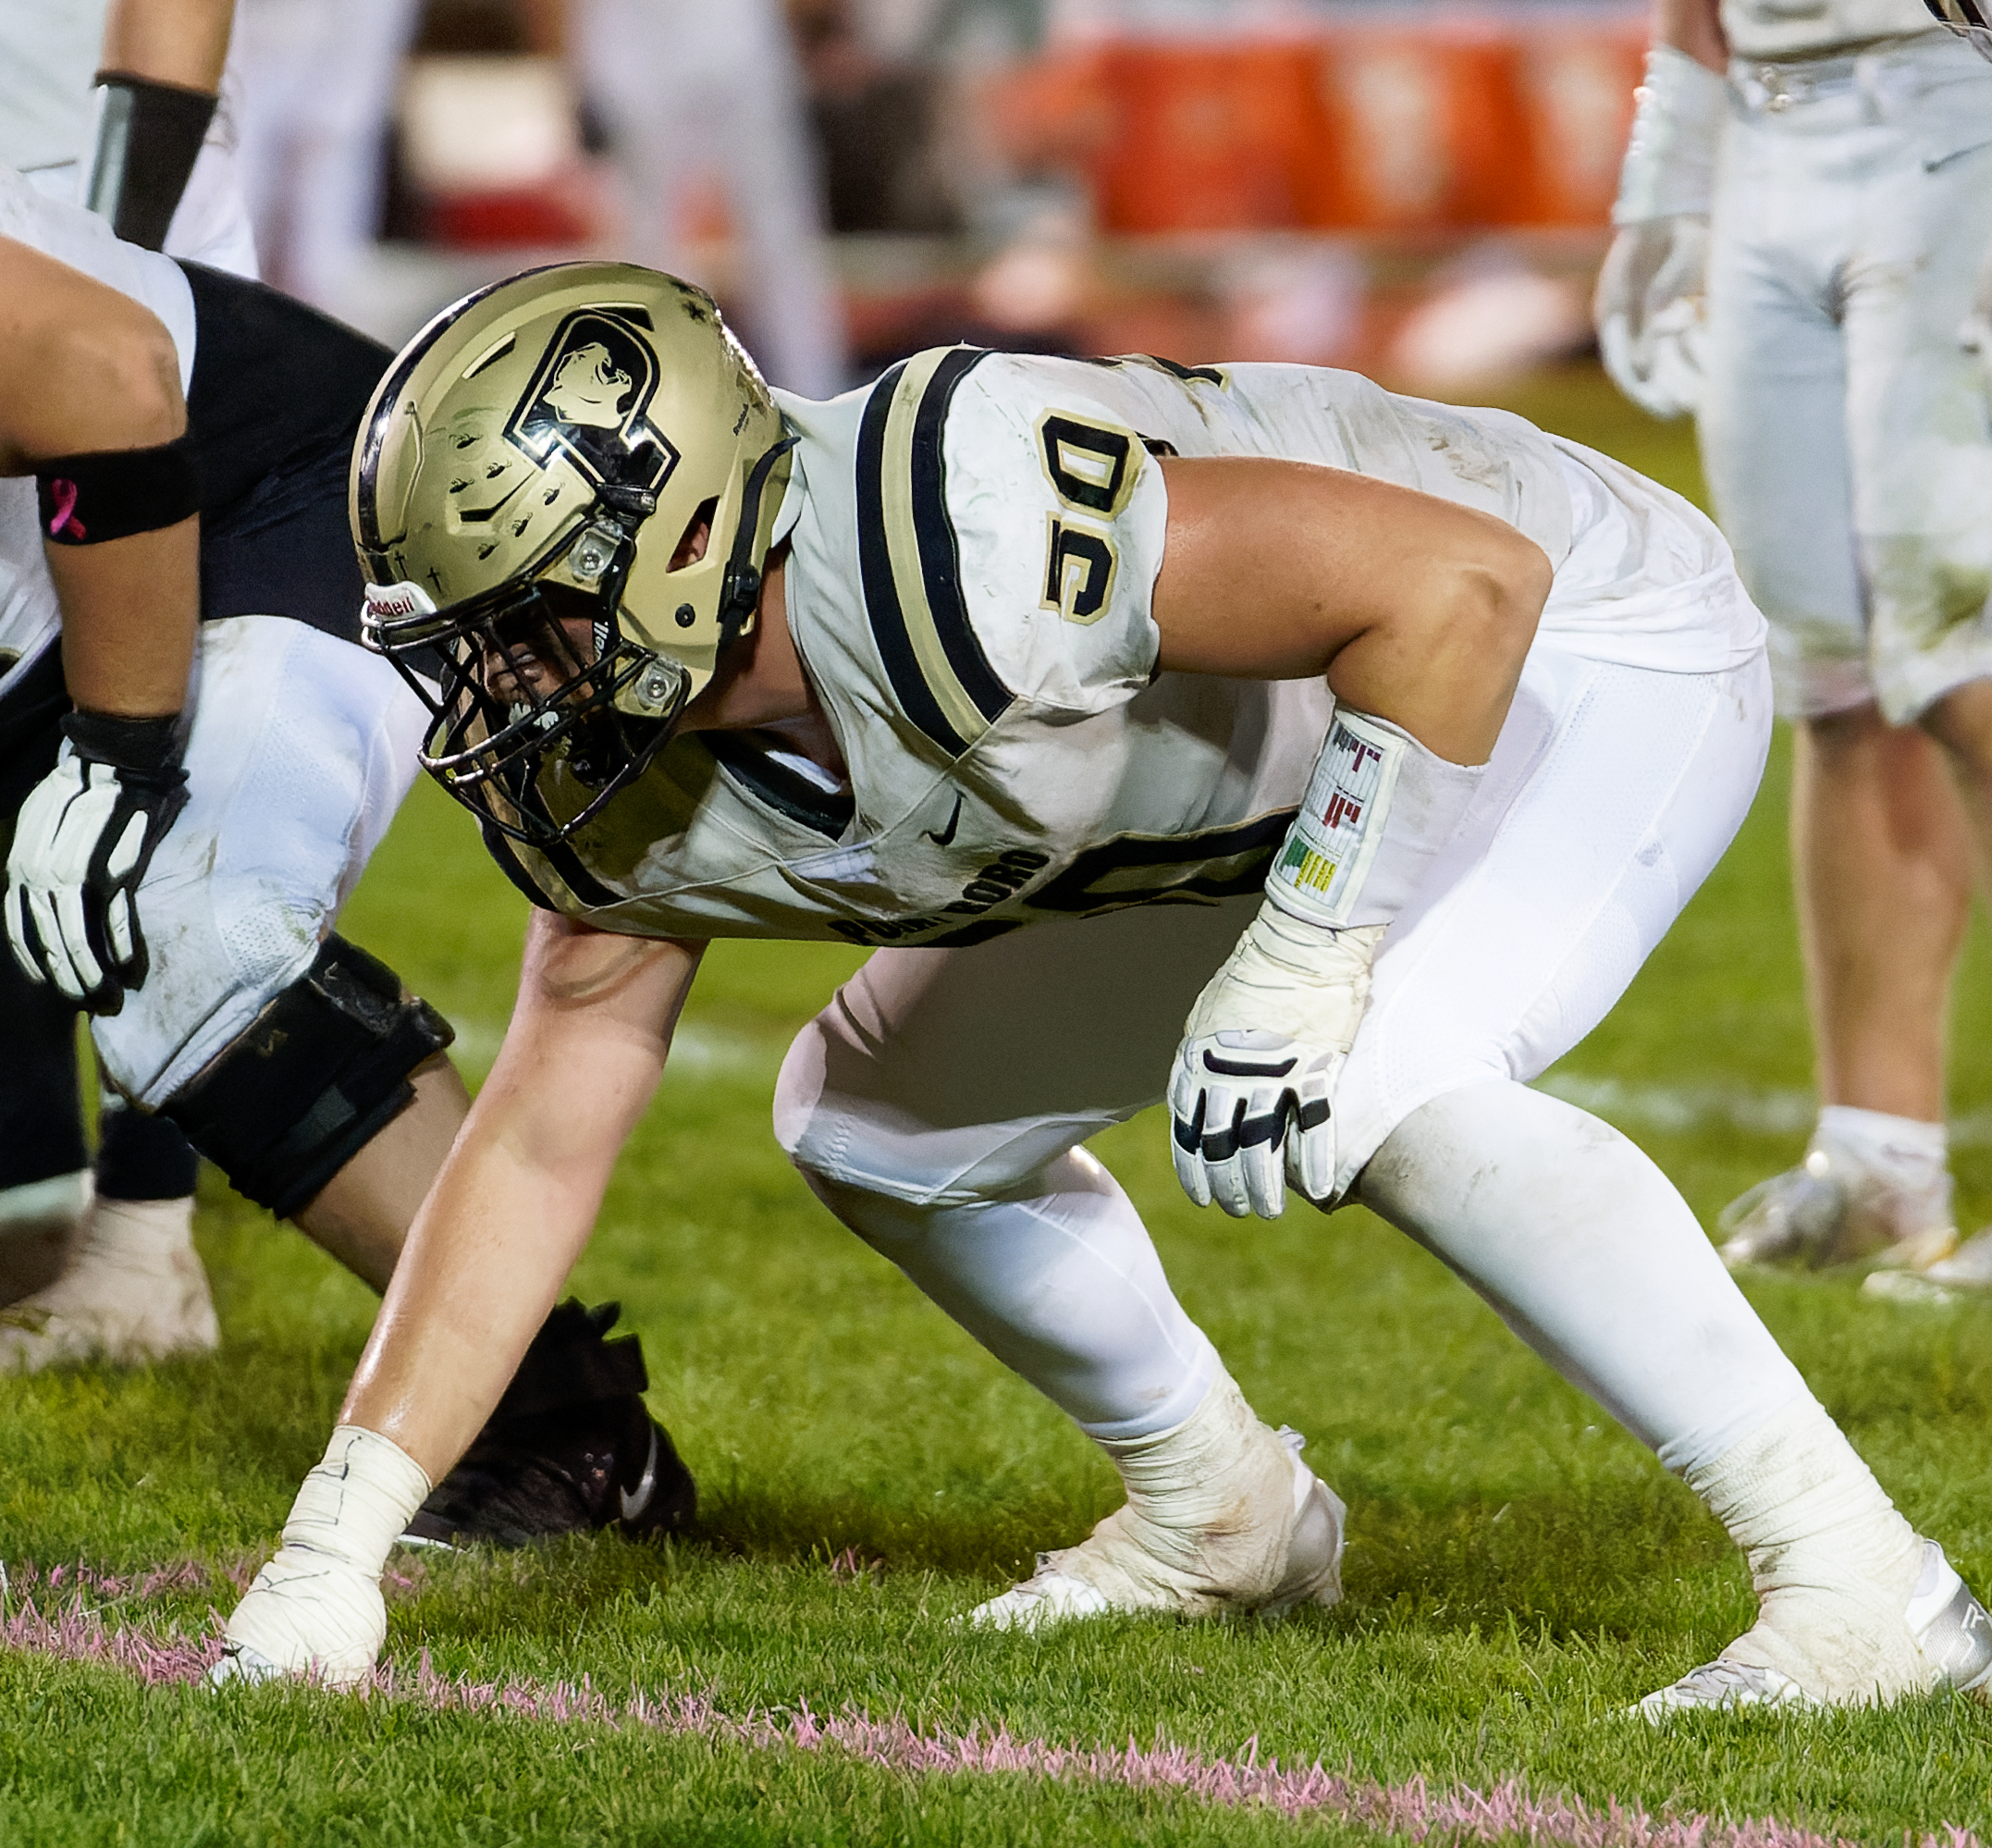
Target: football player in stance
190 788
1382 740
1805 204
158 165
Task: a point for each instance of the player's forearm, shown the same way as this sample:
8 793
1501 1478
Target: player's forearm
1417 610
179 42
128 620
483 1263
517 1199
130 605
1694 27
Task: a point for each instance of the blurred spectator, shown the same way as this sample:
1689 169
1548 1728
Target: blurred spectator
50 57
878 125
693 91
318 82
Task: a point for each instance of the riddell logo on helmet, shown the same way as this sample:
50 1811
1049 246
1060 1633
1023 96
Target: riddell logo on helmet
591 398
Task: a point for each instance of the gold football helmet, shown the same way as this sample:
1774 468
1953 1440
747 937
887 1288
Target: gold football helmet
563 495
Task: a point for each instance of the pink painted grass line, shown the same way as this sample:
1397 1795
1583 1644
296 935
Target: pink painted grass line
1412 1809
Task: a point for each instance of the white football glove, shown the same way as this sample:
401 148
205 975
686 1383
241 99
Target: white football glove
1648 306
1649 313
1252 1093
82 842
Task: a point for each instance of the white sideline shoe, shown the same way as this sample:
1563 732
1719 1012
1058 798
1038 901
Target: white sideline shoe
1831 1210
1967 1270
38 1225
134 1292
1232 1572
1950 1629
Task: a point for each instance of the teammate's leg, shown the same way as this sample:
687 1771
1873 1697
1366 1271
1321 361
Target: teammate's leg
1774 444
44 1167
961 1168
1922 446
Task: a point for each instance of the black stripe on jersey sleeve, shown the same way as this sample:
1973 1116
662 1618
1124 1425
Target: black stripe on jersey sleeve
875 571
940 554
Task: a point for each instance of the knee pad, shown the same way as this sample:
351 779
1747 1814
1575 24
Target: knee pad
320 1072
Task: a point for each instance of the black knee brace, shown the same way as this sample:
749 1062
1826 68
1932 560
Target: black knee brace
321 1071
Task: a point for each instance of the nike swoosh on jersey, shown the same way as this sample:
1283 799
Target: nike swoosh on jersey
633 1504
946 837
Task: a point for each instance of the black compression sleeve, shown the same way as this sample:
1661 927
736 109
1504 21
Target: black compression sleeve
149 136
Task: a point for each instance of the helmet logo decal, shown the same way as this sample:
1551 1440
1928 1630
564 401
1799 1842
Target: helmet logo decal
590 398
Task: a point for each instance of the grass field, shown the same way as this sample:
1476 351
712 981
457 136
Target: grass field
1518 1570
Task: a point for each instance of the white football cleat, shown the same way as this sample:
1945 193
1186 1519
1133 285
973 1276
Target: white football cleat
1948 1628
1831 1210
1967 1270
1271 1546
133 1292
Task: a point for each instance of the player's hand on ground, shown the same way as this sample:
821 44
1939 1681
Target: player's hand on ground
83 839
309 1616
1649 312
1251 1097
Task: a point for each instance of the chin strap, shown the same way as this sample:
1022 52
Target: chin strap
740 591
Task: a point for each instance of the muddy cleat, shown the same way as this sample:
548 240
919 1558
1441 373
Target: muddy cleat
1965 1272
133 1292
571 1448
1949 1630
1831 1210
1222 1519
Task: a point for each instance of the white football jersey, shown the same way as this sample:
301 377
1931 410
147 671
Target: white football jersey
974 543
1781 29
29 615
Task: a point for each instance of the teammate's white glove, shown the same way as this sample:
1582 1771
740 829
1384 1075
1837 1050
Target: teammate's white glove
1648 307
316 1609
1252 1093
82 842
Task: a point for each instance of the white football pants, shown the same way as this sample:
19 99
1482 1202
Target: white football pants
692 90
933 1105
1845 432
301 749
317 87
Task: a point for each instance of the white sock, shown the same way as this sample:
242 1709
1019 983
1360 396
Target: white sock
1064 1287
1834 1564
1912 1156
1585 1250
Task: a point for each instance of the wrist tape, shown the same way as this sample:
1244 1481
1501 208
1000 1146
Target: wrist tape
111 494
1379 807
148 138
354 1504
143 746
1670 161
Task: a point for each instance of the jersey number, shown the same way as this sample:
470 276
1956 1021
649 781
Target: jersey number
1091 468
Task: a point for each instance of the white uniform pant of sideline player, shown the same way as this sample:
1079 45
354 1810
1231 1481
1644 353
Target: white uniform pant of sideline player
1846 436
933 1102
301 749
693 90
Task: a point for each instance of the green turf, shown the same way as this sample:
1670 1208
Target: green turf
1518 1568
